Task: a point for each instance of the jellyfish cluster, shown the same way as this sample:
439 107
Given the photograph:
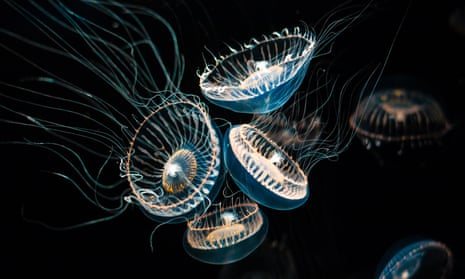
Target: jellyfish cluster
174 157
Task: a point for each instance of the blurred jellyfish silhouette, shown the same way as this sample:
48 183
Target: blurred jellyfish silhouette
272 260
420 258
168 146
399 117
263 74
227 232
457 20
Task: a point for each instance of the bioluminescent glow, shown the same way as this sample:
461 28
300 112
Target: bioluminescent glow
418 259
106 100
227 233
262 170
174 162
262 75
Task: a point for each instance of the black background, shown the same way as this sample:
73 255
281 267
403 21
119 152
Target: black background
358 208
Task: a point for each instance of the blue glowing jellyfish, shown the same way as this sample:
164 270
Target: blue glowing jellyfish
399 115
424 258
128 109
263 170
174 160
227 233
263 74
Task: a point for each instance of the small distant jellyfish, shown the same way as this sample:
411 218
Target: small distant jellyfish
457 20
401 116
262 75
226 234
424 258
263 170
174 163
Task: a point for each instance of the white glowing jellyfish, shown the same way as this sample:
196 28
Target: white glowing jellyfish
227 233
263 170
262 75
174 162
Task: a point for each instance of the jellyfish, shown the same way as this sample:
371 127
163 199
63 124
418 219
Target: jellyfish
457 20
424 258
226 233
127 110
263 170
174 163
402 116
262 75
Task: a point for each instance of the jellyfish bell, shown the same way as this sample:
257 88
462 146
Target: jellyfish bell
227 233
262 75
263 170
174 163
401 117
416 258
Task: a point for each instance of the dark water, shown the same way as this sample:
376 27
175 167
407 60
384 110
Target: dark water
358 207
